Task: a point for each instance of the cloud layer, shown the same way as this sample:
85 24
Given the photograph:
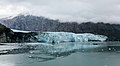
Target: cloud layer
65 10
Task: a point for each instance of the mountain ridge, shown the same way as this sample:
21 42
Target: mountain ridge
36 23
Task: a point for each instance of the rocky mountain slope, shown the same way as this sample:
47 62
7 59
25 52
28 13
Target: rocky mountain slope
5 34
35 23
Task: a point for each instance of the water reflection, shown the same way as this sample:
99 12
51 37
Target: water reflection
44 52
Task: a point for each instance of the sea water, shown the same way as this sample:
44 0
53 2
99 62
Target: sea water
62 54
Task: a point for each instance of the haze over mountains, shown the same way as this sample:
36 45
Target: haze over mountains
35 23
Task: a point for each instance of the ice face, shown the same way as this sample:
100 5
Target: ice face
57 37
85 37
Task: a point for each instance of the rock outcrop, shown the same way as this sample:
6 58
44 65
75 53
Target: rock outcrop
5 34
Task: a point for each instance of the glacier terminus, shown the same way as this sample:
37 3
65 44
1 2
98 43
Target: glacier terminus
58 37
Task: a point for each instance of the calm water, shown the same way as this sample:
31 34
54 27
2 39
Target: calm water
63 54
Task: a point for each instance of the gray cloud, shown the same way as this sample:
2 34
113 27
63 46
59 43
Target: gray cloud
65 10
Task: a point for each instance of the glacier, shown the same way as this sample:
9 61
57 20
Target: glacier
14 30
58 37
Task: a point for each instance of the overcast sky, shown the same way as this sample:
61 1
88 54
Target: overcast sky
65 10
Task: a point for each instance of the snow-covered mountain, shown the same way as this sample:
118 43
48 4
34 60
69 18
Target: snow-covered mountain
35 23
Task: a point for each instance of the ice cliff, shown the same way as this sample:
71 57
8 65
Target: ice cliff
57 37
